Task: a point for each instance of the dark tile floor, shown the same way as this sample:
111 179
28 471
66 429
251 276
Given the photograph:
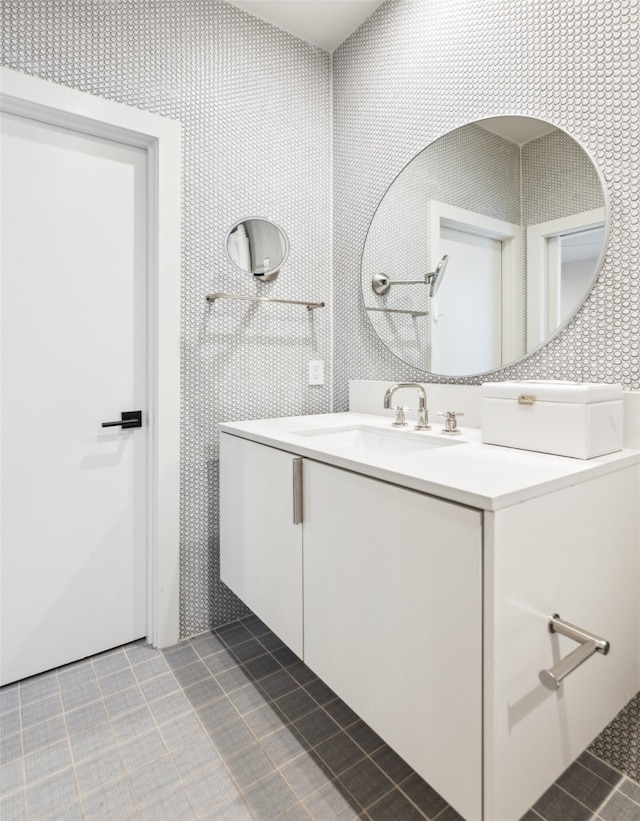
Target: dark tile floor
228 725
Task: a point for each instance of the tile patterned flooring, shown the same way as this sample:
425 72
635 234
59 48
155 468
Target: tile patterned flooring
228 725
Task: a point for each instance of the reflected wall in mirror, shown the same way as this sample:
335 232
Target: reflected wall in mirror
519 209
257 246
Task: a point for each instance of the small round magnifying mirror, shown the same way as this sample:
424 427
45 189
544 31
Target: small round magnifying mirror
435 278
257 246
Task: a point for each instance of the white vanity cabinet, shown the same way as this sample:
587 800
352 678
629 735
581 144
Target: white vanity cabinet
392 598
575 552
430 617
393 618
261 548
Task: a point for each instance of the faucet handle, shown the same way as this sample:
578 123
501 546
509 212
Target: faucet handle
423 419
450 421
400 421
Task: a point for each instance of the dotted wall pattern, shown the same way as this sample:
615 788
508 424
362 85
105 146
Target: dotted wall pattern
558 179
619 742
418 69
255 107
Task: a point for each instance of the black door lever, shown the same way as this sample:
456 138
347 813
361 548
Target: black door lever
130 419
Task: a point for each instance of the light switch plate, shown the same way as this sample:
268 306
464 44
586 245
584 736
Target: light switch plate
316 372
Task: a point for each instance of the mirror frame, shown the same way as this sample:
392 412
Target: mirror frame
265 276
598 268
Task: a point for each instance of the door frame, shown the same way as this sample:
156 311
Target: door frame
543 281
443 215
58 105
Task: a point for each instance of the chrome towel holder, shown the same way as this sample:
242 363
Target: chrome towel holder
589 644
310 306
414 314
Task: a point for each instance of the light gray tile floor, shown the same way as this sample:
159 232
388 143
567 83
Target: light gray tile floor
228 725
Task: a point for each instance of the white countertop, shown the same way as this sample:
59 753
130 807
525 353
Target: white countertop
470 473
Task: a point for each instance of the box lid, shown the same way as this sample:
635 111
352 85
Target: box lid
550 390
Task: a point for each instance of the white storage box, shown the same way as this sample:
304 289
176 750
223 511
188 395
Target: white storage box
565 418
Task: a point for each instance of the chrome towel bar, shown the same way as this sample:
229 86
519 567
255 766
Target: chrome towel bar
309 305
589 644
414 314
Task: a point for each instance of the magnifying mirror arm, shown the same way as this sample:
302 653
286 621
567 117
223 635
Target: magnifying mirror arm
409 281
381 282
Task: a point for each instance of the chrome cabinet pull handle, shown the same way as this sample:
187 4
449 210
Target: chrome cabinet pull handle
589 644
297 490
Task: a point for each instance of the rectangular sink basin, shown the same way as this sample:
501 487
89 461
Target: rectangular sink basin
367 439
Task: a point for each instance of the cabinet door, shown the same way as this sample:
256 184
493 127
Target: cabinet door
260 547
573 552
392 596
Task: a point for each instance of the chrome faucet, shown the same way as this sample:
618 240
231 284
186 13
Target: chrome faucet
423 413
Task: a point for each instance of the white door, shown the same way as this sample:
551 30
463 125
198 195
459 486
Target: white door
466 312
73 332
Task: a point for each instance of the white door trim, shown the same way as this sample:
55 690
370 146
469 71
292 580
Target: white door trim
55 104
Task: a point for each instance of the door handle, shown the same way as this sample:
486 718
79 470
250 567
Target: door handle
130 419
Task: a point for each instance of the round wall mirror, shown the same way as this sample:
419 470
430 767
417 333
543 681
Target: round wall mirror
257 246
515 210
